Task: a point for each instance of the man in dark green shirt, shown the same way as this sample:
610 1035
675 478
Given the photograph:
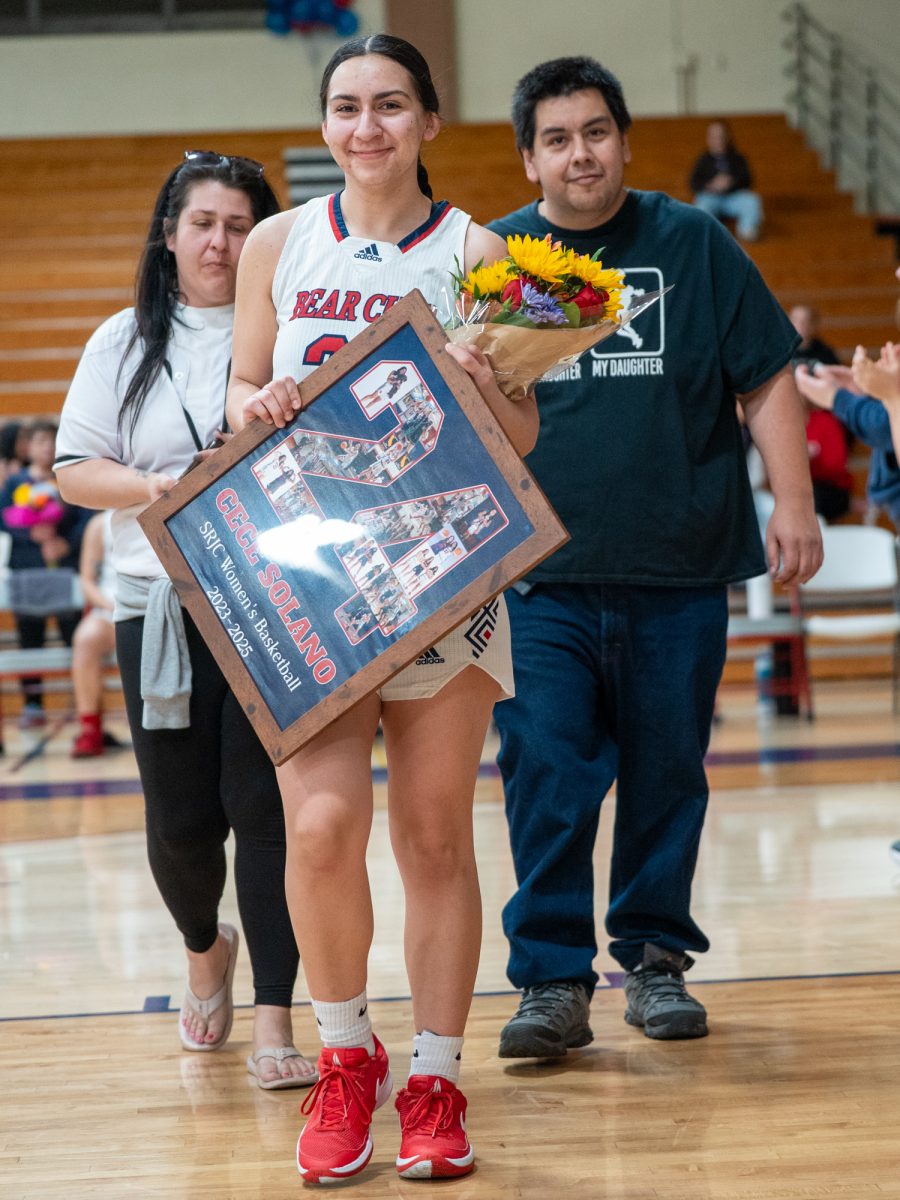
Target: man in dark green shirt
619 637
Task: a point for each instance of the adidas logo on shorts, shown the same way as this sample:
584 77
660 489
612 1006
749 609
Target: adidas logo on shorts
369 253
430 658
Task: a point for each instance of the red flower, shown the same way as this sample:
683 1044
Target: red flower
513 293
589 298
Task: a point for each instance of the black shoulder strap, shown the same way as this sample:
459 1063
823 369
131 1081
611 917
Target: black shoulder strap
224 425
187 416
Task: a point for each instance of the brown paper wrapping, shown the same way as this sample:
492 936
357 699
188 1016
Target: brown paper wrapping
520 357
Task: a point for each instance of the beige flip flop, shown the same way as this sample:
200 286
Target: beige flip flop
279 1053
205 1008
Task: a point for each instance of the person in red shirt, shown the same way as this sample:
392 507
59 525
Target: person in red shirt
832 482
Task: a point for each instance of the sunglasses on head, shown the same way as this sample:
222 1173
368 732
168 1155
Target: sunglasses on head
224 160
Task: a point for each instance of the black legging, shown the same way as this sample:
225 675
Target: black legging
32 633
199 783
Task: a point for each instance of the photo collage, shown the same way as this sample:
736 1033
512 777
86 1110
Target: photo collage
445 528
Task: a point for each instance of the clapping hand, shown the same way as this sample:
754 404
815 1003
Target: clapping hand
815 386
879 379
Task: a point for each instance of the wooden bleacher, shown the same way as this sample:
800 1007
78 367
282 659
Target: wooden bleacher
73 214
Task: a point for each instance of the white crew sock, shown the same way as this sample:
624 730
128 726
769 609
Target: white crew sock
435 1055
345 1023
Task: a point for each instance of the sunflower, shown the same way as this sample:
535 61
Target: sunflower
613 306
487 281
586 269
537 258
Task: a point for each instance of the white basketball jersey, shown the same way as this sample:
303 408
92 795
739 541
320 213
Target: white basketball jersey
328 285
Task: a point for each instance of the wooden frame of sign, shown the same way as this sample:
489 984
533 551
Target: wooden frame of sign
319 560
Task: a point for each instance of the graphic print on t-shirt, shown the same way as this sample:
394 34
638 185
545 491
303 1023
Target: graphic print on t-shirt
637 348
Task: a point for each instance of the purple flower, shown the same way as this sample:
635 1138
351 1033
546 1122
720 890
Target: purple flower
541 309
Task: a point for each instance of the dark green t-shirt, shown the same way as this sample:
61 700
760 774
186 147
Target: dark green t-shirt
640 449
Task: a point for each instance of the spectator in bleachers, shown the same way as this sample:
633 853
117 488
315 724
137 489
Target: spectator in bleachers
833 388
806 320
865 398
881 379
723 185
826 442
46 533
13 449
95 638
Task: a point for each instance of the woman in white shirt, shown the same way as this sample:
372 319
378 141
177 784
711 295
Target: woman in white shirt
147 397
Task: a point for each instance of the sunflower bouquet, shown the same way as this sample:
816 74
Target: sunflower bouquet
537 310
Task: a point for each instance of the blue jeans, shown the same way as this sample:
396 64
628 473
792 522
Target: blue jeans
612 682
744 207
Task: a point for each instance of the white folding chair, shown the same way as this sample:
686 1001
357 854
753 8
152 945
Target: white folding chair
764 626
860 570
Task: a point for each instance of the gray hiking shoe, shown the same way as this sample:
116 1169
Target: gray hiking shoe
658 1001
551 1019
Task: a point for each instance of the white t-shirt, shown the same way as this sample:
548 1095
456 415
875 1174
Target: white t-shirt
199 352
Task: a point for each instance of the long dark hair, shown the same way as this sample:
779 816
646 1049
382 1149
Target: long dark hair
156 286
9 435
405 55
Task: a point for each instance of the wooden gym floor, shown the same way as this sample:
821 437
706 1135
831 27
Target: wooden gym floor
794 1093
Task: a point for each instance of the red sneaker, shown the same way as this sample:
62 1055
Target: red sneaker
335 1142
433 1141
88 744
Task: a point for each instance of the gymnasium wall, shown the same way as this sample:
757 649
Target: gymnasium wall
250 80
735 48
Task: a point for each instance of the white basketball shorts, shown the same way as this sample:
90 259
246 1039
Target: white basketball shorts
481 641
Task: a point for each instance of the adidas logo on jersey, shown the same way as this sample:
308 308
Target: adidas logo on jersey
430 658
369 253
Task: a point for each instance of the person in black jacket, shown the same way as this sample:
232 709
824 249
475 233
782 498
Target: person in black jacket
722 183
806 320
